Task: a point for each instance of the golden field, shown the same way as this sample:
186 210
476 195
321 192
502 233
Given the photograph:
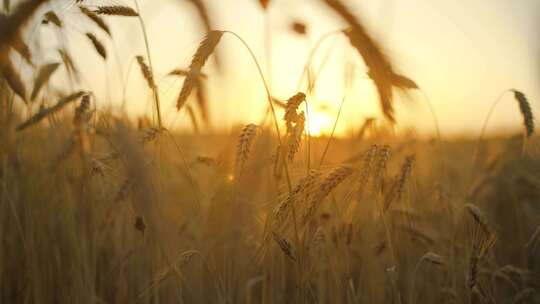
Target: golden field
98 206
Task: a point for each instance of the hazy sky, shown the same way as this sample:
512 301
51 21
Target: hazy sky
463 53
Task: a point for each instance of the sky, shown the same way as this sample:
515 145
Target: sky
462 53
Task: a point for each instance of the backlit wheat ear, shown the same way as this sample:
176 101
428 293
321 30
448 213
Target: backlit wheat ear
206 48
100 49
399 185
292 107
332 180
145 70
48 111
243 148
304 189
380 169
367 168
526 112
96 19
295 137
43 77
116 10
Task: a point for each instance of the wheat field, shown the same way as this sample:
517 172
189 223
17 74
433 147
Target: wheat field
98 206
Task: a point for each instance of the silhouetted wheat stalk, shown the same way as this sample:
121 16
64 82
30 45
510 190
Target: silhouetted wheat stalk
48 111
205 49
96 19
98 46
116 10
243 148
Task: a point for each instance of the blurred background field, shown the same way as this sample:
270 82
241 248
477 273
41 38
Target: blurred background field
194 151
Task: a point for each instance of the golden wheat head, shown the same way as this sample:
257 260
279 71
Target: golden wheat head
206 48
526 112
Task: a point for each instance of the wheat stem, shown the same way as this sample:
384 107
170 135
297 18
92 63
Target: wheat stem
268 96
332 134
147 46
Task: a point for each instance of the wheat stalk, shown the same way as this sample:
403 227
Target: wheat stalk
43 76
116 10
304 189
291 109
146 72
285 246
367 168
397 189
243 148
332 180
205 49
99 47
96 19
48 111
526 112
380 67
479 218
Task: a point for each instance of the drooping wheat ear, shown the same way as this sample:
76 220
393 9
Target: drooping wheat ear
479 218
367 167
332 180
145 70
526 112
380 67
206 48
95 18
304 189
245 141
397 189
116 10
291 109
48 111
285 246
43 76
380 168
295 137
100 48
52 17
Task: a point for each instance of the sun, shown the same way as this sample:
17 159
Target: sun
319 124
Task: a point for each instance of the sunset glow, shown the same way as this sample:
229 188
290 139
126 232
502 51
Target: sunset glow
319 124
